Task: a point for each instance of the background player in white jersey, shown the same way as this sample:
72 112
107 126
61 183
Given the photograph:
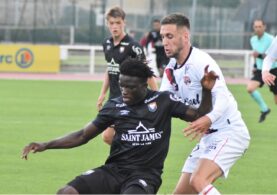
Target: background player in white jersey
271 57
224 134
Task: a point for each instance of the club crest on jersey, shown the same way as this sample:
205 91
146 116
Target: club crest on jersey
187 80
121 49
152 107
108 47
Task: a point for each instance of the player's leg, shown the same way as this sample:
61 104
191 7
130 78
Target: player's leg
273 88
183 186
222 150
205 174
108 135
252 87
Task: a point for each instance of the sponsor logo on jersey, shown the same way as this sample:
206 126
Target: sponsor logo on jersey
193 101
152 107
141 135
120 105
151 98
113 67
124 43
137 50
124 112
108 47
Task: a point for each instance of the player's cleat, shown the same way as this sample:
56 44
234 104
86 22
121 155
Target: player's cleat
263 115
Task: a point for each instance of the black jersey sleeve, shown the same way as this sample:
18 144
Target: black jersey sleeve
106 116
177 108
137 50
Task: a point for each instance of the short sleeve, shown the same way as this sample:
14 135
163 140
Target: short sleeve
106 116
137 51
177 108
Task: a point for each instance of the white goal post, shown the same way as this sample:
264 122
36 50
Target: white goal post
93 56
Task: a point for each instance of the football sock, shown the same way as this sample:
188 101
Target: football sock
259 99
209 190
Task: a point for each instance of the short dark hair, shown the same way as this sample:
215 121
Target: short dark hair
156 21
176 18
115 12
259 20
136 67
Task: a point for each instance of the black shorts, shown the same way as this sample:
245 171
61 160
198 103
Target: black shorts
257 76
109 179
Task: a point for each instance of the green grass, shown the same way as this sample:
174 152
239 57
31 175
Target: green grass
43 110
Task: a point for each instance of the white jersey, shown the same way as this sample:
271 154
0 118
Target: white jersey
187 85
271 55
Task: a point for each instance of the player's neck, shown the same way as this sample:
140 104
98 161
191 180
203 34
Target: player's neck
117 39
183 54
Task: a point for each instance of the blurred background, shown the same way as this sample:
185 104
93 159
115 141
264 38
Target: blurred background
77 27
217 24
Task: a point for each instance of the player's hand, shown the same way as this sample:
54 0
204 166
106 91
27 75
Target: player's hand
32 147
268 78
100 102
209 79
198 128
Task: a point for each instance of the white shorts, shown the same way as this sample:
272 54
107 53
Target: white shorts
224 148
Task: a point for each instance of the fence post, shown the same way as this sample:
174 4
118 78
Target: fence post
92 60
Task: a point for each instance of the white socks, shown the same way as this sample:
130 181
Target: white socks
209 190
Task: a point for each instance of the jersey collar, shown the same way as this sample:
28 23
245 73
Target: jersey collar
125 39
176 65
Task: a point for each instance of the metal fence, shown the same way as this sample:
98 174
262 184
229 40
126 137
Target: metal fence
219 24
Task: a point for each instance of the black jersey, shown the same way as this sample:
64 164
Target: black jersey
115 55
155 38
142 131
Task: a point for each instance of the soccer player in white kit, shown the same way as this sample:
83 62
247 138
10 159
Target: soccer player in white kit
224 135
270 58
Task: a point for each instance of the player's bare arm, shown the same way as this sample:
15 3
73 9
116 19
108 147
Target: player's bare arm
69 141
103 92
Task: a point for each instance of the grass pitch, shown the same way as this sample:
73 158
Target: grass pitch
43 110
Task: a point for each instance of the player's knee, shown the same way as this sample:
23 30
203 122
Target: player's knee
198 182
67 190
249 89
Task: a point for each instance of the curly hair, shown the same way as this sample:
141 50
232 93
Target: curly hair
136 67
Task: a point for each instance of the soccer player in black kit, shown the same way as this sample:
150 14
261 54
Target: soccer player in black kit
142 121
154 38
117 48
